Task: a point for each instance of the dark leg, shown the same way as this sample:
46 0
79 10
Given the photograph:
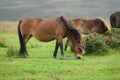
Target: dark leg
24 40
66 44
25 45
56 48
26 50
22 50
61 48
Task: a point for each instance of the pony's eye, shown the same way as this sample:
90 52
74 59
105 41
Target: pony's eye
79 49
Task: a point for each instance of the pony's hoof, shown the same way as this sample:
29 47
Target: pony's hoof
54 57
62 57
22 55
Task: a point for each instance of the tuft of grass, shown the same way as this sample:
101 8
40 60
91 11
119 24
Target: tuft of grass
2 42
12 52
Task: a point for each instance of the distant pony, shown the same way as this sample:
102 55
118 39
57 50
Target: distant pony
46 30
89 26
115 20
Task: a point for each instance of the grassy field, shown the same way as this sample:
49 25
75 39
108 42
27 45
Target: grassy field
40 65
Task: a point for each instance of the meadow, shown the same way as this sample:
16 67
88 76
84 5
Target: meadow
40 64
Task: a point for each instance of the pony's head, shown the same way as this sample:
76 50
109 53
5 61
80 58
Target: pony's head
75 37
78 47
117 21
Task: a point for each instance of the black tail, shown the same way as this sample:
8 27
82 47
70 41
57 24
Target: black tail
19 34
21 40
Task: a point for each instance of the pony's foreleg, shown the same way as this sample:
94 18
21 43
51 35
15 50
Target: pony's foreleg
66 44
56 49
61 48
60 42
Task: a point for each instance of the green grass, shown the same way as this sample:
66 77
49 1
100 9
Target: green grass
40 65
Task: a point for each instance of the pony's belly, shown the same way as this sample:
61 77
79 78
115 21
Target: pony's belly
45 38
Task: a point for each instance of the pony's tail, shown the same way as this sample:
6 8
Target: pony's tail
19 33
21 52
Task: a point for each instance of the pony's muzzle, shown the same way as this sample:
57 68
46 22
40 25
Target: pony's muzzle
78 56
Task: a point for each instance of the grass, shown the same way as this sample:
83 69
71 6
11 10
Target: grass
40 65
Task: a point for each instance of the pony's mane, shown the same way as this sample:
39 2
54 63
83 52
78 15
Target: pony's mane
70 28
104 22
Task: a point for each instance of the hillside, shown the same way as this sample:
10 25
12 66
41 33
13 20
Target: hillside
19 9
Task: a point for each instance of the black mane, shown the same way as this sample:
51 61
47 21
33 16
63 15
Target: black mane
71 29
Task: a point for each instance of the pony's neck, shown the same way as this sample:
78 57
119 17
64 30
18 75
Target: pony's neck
72 38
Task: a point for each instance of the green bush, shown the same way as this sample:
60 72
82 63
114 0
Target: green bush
102 43
95 44
112 38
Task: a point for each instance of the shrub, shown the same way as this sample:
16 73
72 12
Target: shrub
112 38
95 44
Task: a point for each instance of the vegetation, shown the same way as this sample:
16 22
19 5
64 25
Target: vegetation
112 38
40 64
96 44
103 43
2 42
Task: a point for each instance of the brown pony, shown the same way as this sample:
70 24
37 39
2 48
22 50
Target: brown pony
115 19
47 30
89 26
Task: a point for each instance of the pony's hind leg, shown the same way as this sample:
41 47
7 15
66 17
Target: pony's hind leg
23 50
26 37
23 38
22 44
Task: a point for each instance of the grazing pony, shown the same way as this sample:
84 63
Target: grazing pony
46 30
115 20
89 26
